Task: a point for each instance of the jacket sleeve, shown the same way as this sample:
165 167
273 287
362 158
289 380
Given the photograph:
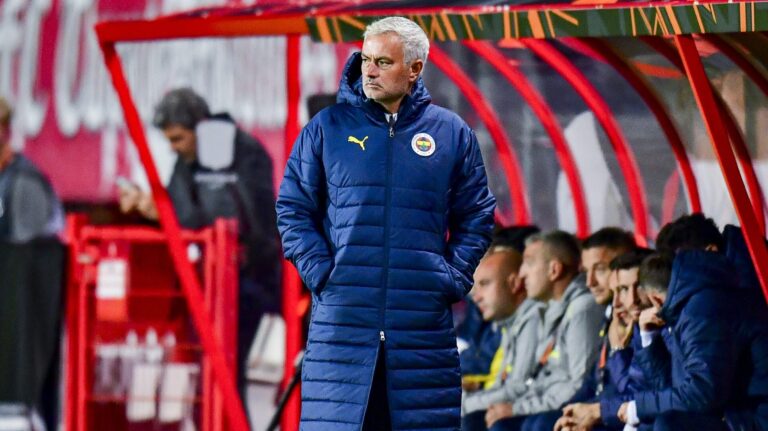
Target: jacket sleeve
706 353
300 210
181 190
470 218
653 365
579 350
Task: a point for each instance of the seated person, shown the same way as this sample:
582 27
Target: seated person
597 252
610 382
501 299
704 340
568 339
480 337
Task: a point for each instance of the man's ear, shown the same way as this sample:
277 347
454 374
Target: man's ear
415 70
555 270
513 282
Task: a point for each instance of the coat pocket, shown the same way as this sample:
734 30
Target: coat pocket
453 292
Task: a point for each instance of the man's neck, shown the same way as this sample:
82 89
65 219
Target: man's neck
558 290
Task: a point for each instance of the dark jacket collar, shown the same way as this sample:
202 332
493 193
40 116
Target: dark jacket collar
351 92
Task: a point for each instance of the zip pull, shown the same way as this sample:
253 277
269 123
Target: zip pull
391 120
381 336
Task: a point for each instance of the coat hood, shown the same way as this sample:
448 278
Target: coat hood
738 254
694 272
351 92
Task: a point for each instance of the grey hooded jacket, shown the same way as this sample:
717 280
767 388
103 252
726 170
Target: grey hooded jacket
519 336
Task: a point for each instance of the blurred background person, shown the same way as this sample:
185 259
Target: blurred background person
200 194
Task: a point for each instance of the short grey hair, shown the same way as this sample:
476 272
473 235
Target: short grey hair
561 246
182 107
415 41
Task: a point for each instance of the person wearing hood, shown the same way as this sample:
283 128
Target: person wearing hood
385 211
243 190
705 344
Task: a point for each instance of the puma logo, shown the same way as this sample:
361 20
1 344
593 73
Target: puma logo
357 141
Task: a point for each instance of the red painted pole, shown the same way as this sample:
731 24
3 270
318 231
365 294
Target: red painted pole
604 115
710 112
549 122
737 138
492 122
646 91
190 284
291 279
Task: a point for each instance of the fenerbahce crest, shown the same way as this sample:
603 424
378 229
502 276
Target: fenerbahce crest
423 144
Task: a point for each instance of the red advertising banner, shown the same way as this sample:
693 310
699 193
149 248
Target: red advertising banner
67 118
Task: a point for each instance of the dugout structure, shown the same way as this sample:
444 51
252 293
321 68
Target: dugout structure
642 42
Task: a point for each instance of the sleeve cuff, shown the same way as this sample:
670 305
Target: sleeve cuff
646 337
632 418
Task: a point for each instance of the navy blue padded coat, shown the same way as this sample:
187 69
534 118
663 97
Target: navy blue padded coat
717 343
366 219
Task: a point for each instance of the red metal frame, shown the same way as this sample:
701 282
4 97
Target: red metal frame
220 290
646 91
190 284
604 115
732 128
710 111
492 122
292 286
549 122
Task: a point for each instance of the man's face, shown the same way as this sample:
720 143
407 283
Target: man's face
386 76
495 282
534 272
632 299
596 262
183 141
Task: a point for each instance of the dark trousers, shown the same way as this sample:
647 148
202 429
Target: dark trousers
377 416
676 421
540 422
473 422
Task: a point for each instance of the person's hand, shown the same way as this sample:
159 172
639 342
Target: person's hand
497 412
585 416
649 318
618 334
147 207
565 423
129 197
622 414
469 385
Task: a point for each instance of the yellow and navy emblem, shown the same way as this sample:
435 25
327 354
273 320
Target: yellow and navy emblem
423 144
354 140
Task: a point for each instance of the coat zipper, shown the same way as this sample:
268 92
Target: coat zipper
391 123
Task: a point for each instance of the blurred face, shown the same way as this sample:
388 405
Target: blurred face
534 272
632 300
183 141
386 76
495 285
596 262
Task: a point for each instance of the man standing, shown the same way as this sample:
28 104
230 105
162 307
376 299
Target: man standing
385 211
243 189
